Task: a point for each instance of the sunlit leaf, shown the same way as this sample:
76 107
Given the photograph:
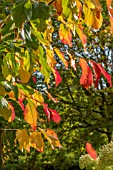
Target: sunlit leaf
20 101
61 56
2 90
31 114
50 57
6 113
11 107
91 151
23 138
24 75
58 6
65 35
87 77
57 76
50 97
82 36
36 141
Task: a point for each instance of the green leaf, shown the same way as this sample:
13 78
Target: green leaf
40 14
2 90
5 113
66 9
45 68
22 11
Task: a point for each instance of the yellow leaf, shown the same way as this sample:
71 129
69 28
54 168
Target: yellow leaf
2 90
38 97
22 137
50 57
31 114
36 141
6 113
24 75
61 56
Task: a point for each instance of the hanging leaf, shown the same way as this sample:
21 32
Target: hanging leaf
98 69
87 77
92 11
61 56
36 141
31 114
82 36
50 97
110 12
51 114
24 75
58 6
65 35
50 57
66 10
20 101
2 90
11 107
91 151
22 11
57 76
5 112
23 138
53 136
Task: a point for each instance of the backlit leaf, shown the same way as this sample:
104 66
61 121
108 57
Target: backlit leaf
23 138
82 36
20 100
52 98
50 57
2 90
24 75
22 10
57 76
11 107
98 69
66 10
36 141
31 114
87 77
58 6
65 35
110 11
61 56
91 151
6 113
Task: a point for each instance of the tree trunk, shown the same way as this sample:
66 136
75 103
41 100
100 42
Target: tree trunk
1 150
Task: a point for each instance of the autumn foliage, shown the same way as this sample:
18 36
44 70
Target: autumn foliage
26 48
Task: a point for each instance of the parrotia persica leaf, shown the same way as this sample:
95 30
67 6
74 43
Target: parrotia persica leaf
11 107
65 35
24 75
51 114
92 11
22 11
82 36
31 114
36 141
58 6
110 11
86 79
6 113
57 76
91 151
23 138
98 70
61 56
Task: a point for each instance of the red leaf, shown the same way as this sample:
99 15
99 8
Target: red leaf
34 79
20 100
57 76
98 69
107 76
13 112
87 77
91 151
52 114
97 72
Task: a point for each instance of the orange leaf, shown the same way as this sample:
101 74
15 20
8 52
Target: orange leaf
57 76
65 35
13 112
91 151
110 11
58 6
31 114
50 97
82 36
20 100
87 77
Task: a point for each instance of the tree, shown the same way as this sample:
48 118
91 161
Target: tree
26 47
